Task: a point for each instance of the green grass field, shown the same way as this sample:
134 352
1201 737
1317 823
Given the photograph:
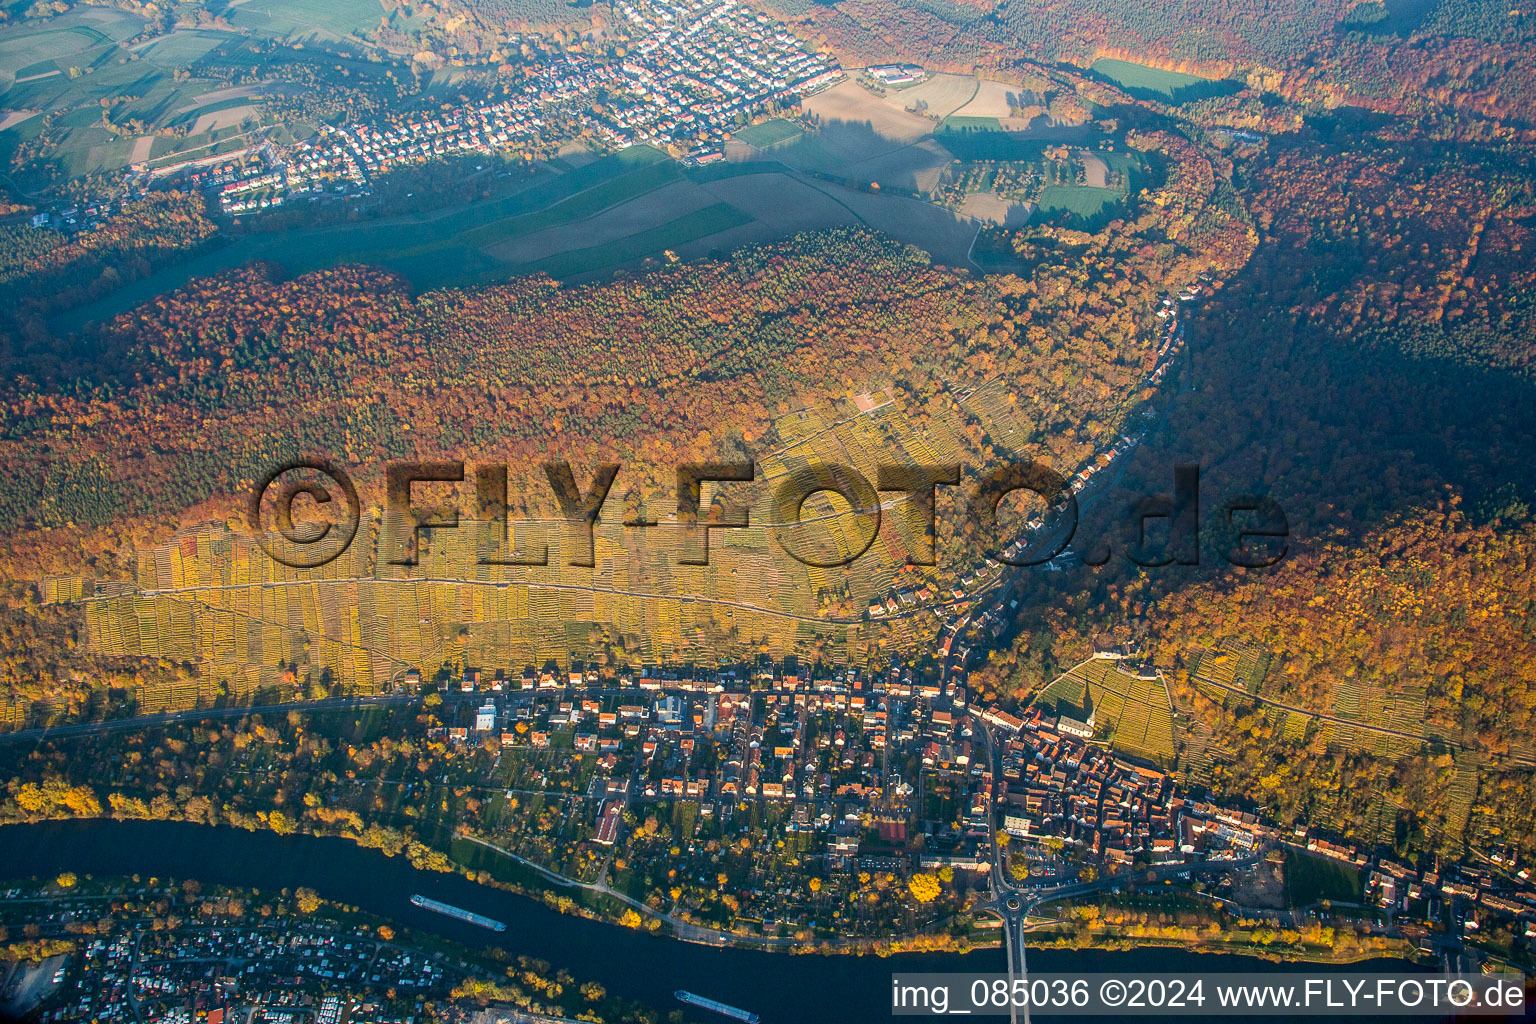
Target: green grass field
1309 879
960 123
303 19
1083 200
116 25
1140 76
28 50
42 67
769 133
1157 84
183 48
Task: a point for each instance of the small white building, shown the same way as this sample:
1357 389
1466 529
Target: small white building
485 718
1075 727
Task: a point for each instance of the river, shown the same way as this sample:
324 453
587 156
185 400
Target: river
783 989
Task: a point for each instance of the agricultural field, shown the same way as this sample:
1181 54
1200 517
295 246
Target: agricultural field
72 39
1002 418
769 133
853 152
1391 720
865 138
939 231
1109 178
1158 83
513 244
1095 169
79 61
1392 725
914 169
996 101
938 97
781 204
775 202
1235 664
690 227
302 21
364 627
629 185
222 116
851 104
91 59
991 208
183 47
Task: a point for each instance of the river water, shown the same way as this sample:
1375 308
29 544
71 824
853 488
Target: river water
783 989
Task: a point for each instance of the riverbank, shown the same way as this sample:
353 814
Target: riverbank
487 865
809 989
1119 942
